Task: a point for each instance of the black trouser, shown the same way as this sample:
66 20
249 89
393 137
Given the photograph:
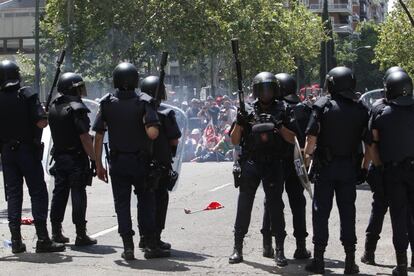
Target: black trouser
271 175
24 162
161 206
339 178
376 220
71 173
129 171
399 190
297 202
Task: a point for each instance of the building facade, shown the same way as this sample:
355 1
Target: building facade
346 14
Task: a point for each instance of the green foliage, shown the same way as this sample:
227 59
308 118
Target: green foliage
197 33
396 40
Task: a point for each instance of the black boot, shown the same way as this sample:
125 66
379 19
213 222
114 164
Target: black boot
57 235
237 256
317 265
268 251
301 251
82 239
152 250
350 266
44 243
280 258
401 268
161 244
128 253
369 253
16 238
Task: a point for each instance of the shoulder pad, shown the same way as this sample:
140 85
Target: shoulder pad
79 106
321 103
106 98
166 111
27 92
145 97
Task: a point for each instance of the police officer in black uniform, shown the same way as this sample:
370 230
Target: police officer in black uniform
299 114
394 161
164 149
21 119
379 202
261 134
69 125
132 123
336 128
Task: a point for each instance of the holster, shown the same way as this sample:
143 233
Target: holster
172 179
237 174
375 179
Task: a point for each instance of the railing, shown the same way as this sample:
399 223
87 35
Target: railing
342 28
345 7
11 45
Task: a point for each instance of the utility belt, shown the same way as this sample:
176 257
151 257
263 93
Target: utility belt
114 153
324 155
407 164
68 151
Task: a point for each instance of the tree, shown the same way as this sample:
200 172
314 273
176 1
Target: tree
396 41
196 33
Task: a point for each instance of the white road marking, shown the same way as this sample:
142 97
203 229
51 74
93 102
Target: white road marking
220 187
104 232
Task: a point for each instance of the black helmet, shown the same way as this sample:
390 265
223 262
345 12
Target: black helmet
125 76
149 86
341 81
392 70
266 87
9 74
399 88
288 87
71 84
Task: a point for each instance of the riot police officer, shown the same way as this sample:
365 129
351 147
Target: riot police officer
379 201
394 162
132 123
336 128
69 125
299 114
21 120
261 134
164 149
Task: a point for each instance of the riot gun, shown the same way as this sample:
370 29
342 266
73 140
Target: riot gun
55 80
235 48
163 63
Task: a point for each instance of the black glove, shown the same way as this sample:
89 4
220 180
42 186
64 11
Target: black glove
242 118
93 168
362 176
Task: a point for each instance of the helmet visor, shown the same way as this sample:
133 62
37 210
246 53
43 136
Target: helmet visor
81 88
266 92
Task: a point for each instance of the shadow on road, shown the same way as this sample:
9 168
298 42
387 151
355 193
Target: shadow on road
167 264
52 258
98 249
297 267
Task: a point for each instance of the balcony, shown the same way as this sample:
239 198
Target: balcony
345 8
342 28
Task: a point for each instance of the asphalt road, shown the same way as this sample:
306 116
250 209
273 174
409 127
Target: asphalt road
201 241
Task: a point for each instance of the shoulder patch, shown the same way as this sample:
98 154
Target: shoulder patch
27 92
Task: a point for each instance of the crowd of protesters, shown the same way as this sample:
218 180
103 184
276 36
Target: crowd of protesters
209 122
